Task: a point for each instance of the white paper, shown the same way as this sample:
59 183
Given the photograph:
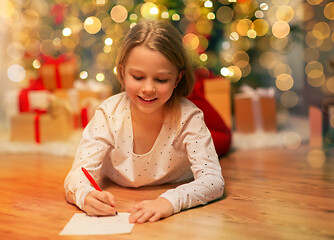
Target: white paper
82 224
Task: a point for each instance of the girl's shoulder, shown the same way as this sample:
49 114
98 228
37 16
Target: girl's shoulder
116 103
188 109
188 106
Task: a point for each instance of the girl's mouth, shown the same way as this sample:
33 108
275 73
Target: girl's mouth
147 99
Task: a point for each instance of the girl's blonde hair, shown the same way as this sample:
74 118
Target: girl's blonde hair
161 36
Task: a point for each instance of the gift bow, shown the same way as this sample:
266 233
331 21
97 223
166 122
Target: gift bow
48 60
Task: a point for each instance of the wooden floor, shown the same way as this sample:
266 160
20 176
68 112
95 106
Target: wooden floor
270 194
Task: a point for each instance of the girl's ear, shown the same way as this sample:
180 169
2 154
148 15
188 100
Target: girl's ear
122 71
179 77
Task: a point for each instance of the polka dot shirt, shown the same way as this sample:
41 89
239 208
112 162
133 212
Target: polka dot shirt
185 152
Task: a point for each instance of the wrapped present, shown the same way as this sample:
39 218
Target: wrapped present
42 126
321 120
58 72
315 121
217 91
31 100
244 113
33 97
84 90
88 107
83 97
255 110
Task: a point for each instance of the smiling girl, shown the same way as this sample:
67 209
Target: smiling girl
150 134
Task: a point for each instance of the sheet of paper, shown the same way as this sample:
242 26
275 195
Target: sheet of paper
82 224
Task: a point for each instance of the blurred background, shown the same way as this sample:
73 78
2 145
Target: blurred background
282 46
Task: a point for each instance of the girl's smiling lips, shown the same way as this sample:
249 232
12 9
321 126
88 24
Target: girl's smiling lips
147 99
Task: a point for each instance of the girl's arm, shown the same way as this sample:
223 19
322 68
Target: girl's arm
95 142
208 183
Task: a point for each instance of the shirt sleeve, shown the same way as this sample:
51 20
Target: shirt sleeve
95 142
208 183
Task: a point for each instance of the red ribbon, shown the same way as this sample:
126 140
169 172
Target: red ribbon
37 125
34 84
48 60
37 130
84 117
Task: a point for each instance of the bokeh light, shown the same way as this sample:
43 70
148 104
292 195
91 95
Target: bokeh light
285 13
16 73
268 60
36 64
100 77
108 41
314 2
15 50
119 13
281 29
314 69
289 99
316 81
291 140
83 75
260 26
234 74
329 11
67 32
92 25
243 26
316 158
321 30
284 82
191 41
224 14
330 84
149 10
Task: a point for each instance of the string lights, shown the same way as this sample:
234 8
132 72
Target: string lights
93 30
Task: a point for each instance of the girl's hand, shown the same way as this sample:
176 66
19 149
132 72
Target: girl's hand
99 203
151 210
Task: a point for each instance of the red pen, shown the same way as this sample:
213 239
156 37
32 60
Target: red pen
92 181
95 185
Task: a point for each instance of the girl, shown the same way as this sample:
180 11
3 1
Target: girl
149 134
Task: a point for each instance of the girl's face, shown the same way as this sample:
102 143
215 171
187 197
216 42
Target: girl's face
149 79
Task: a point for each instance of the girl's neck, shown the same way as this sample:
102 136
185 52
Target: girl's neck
147 118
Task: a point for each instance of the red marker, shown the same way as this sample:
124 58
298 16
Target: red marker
95 185
92 181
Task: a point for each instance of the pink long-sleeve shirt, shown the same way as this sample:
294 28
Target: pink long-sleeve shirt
184 152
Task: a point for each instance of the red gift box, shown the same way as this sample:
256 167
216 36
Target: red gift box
43 126
255 110
58 72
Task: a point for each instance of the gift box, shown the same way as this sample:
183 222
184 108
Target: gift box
90 89
321 120
58 72
30 100
39 128
42 126
217 91
87 110
243 112
315 121
255 110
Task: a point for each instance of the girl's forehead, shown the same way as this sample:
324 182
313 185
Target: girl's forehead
142 57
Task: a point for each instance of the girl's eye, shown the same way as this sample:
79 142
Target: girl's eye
137 77
161 80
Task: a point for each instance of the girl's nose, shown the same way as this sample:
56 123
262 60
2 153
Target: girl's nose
148 87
